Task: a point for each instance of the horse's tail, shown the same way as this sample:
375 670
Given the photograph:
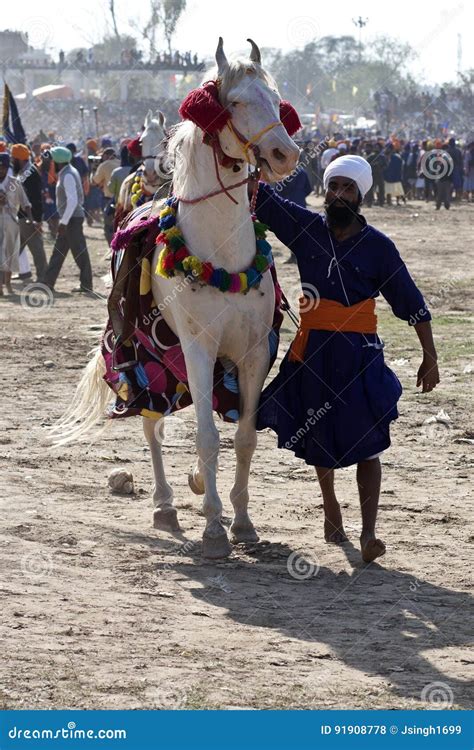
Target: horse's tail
88 405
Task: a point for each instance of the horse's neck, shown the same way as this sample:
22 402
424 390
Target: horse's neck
216 230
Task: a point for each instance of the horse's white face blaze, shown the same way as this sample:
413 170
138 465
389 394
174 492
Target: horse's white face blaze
254 106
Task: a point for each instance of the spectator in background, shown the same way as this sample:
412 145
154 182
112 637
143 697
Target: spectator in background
70 235
101 179
328 155
12 198
93 197
469 171
393 175
378 165
121 172
441 169
458 168
296 187
30 231
410 158
48 182
78 162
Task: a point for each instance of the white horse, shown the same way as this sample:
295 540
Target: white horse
154 172
210 323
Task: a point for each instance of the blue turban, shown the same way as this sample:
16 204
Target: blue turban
61 155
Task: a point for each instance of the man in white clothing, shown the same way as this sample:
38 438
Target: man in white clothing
12 198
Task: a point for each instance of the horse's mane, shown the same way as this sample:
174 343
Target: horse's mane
185 136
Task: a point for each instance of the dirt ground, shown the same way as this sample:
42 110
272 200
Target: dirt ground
99 610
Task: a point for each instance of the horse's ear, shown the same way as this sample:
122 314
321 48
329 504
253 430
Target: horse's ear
202 107
289 117
221 59
161 119
255 55
148 118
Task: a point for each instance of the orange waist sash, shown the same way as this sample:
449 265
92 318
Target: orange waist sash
328 315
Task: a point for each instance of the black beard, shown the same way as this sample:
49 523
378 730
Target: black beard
341 216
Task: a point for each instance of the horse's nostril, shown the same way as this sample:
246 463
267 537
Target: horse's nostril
279 155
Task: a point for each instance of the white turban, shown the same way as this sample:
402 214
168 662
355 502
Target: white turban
354 168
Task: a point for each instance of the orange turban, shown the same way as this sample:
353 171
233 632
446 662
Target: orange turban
3 146
20 151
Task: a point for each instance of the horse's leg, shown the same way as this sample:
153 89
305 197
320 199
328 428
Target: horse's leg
252 375
164 514
200 368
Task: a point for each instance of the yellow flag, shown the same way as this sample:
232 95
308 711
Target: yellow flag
354 90
334 84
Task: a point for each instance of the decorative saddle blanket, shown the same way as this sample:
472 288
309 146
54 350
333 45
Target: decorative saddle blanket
145 365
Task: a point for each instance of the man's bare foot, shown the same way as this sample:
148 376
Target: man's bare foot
371 547
334 531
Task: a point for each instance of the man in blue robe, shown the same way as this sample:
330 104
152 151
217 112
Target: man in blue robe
334 398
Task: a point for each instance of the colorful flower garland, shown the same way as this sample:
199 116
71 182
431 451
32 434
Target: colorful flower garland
176 258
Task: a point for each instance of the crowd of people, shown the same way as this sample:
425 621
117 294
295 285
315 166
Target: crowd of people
56 186
129 58
116 119
61 186
435 170
418 113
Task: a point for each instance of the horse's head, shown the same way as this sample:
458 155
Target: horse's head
152 141
249 93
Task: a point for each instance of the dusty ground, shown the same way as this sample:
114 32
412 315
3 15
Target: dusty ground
101 611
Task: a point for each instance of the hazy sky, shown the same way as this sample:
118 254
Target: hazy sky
432 28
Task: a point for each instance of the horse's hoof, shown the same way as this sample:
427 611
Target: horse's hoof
243 534
166 520
214 547
197 486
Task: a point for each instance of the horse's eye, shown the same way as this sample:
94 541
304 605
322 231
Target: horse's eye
234 104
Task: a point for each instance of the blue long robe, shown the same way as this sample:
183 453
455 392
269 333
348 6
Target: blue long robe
335 409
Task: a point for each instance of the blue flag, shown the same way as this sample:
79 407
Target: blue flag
11 125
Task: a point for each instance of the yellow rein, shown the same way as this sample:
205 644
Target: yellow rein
245 146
